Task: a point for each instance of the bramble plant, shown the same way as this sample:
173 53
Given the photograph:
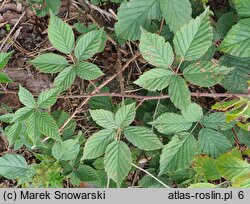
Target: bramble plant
182 140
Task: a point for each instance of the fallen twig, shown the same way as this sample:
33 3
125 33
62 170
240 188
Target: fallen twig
12 30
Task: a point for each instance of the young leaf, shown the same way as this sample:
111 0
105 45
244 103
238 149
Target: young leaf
179 93
170 123
193 113
104 118
133 14
47 98
155 79
142 137
205 73
237 41
97 143
65 78
155 50
231 167
242 7
26 97
89 44
4 58
60 34
125 115
212 142
4 78
47 125
66 150
50 63
13 166
194 39
176 13
178 153
117 161
87 71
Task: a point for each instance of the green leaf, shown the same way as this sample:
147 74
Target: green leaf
239 63
66 150
194 39
170 123
202 185
89 44
65 78
87 71
179 93
217 121
242 7
206 166
97 143
13 166
176 13
61 117
224 24
117 161
205 73
4 58
193 113
47 98
86 173
53 5
32 130
236 80
26 97
237 41
125 115
155 79
101 102
178 153
149 182
50 63
133 14
22 114
60 34
143 138
104 118
6 117
244 137
231 167
4 78
155 50
81 28
213 142
47 125
13 133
